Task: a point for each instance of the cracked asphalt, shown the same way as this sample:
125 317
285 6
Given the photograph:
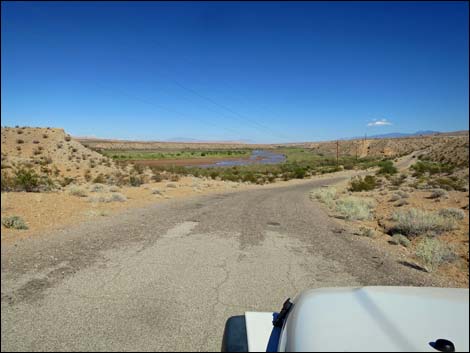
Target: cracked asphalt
166 277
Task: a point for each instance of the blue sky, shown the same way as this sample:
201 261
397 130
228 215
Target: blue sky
264 72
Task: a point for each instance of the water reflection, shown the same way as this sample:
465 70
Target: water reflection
256 157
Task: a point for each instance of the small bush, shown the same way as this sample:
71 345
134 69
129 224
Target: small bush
438 193
433 253
26 180
171 185
353 208
157 177
114 189
451 212
413 222
19 141
45 136
400 239
14 222
325 195
174 177
67 138
367 232
118 197
97 188
369 182
77 191
35 142
398 180
395 197
135 180
387 167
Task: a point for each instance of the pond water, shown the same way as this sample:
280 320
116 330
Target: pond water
256 157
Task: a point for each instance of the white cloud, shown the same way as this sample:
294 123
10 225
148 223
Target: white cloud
380 122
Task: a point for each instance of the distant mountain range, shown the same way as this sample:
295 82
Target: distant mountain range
397 134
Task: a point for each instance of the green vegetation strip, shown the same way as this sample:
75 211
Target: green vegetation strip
130 155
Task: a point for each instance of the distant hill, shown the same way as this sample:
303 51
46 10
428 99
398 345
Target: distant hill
402 134
397 135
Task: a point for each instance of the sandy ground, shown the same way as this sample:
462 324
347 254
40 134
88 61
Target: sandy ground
458 239
44 212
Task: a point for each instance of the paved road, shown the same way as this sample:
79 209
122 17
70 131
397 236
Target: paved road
167 277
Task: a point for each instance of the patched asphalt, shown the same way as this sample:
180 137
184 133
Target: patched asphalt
166 277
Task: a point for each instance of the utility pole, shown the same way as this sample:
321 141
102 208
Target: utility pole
337 153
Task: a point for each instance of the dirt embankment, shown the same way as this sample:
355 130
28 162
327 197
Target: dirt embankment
51 152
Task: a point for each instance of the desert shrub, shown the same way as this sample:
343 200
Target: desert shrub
325 195
7 182
395 197
138 168
438 193
174 177
157 192
114 197
398 180
113 188
66 181
433 253
171 185
401 202
19 141
413 222
135 180
97 187
67 138
422 167
35 142
400 239
299 173
14 222
367 232
448 183
118 197
354 208
387 167
87 175
451 212
369 182
77 191
19 132
100 179
45 136
26 180
402 194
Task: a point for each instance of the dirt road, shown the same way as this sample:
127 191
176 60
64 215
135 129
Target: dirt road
166 277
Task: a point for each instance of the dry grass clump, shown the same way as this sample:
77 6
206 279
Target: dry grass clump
367 232
413 222
400 239
438 193
77 191
452 212
114 197
14 222
354 208
325 195
433 253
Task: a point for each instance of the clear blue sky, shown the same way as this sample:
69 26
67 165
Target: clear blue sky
280 71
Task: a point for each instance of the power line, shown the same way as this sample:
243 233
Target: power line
211 100
181 115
